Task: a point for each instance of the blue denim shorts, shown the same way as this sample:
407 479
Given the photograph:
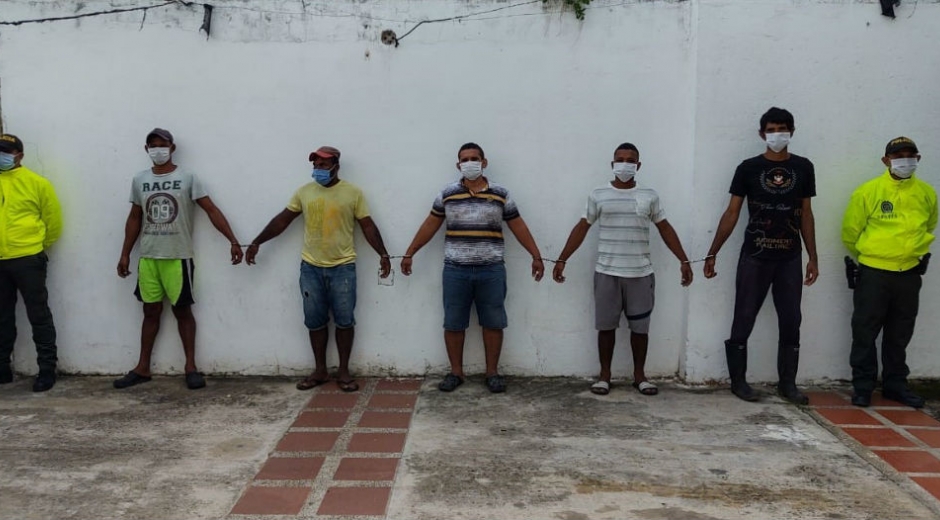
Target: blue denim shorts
325 290
483 285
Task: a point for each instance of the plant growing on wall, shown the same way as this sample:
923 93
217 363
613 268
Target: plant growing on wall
577 5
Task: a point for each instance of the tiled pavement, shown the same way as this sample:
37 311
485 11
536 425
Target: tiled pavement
338 458
908 440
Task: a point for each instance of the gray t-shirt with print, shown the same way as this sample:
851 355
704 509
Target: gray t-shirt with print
167 202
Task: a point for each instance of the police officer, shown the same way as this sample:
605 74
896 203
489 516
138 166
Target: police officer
32 221
888 227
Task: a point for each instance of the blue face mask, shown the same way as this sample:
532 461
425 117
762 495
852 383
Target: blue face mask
7 161
322 176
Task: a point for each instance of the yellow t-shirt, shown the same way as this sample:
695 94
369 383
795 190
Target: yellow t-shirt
330 216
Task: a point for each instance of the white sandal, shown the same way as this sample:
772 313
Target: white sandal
600 388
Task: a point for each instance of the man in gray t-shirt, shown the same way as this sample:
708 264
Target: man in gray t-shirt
162 202
167 201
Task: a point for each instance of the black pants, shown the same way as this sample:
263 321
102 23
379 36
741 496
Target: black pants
754 278
884 301
27 275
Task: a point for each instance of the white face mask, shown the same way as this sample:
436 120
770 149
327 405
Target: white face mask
624 171
777 141
903 167
471 170
159 156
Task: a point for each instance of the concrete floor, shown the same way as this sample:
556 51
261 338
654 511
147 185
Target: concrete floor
551 449
546 449
157 451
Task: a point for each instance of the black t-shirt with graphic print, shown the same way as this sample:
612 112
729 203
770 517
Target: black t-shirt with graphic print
774 191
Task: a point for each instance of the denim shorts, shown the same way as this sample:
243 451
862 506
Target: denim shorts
325 290
483 285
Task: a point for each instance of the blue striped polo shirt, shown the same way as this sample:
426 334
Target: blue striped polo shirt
474 222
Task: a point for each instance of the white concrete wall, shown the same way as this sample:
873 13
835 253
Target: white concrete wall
547 96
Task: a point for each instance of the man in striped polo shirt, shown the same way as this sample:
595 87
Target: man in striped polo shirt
474 274
623 278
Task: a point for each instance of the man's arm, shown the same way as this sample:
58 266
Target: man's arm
675 245
575 239
51 214
131 232
374 238
219 221
274 228
932 219
808 231
854 222
424 235
521 231
729 219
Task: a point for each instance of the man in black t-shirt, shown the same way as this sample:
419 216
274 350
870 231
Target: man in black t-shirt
778 187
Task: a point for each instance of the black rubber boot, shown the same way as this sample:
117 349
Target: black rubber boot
737 369
788 360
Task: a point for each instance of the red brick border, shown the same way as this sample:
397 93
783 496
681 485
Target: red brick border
338 458
908 440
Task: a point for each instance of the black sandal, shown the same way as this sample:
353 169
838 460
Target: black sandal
496 384
348 386
310 382
450 383
130 379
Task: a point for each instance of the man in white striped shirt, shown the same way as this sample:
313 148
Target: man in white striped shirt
624 282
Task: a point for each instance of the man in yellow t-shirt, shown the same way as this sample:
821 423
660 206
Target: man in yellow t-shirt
331 207
888 226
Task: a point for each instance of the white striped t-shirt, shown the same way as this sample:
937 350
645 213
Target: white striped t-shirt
624 244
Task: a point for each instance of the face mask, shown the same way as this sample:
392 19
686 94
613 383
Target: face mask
904 167
7 161
322 176
159 156
471 170
624 171
777 141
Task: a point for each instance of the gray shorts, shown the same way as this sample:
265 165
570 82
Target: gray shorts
633 297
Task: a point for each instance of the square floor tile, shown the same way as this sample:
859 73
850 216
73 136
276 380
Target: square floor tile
371 419
271 501
827 399
853 416
350 501
909 418
331 400
883 437
913 461
929 437
366 469
403 385
393 401
308 441
377 443
931 484
321 419
283 468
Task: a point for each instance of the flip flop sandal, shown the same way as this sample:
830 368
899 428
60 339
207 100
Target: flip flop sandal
646 388
130 379
600 388
348 386
310 382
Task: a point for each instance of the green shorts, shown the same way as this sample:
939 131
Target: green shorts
159 278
